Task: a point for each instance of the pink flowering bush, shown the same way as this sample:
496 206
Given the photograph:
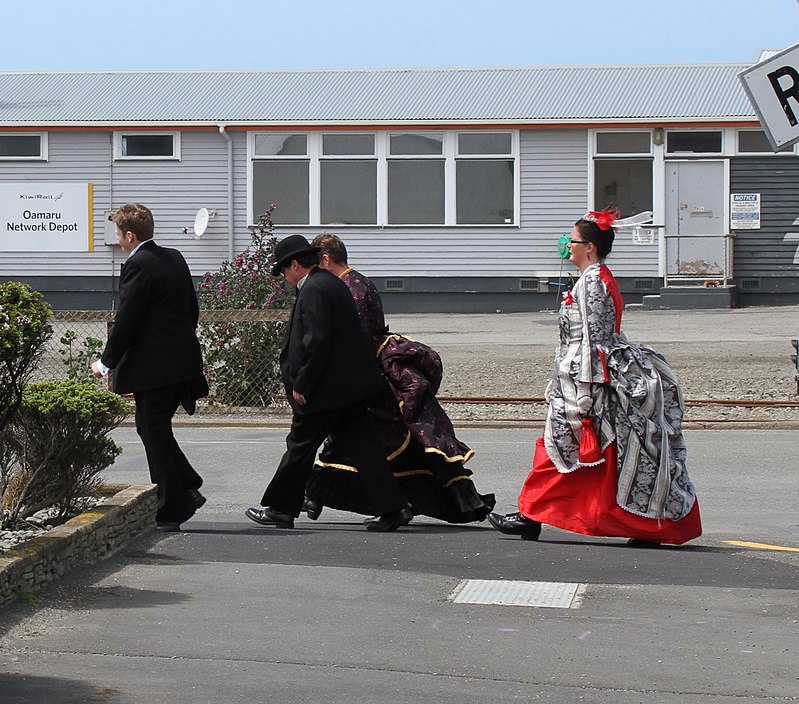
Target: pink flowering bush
241 358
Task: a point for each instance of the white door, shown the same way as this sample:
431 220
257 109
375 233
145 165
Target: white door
695 217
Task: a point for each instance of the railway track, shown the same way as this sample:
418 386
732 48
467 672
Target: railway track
699 411
534 400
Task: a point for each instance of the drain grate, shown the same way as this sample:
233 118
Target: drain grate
501 592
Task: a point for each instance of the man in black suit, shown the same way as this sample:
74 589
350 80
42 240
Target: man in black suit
329 374
154 352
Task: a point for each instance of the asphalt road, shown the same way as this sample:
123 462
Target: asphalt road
228 611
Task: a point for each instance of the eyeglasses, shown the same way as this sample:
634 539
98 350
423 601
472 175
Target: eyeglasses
580 241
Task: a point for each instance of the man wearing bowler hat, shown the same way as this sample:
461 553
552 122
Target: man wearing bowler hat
329 374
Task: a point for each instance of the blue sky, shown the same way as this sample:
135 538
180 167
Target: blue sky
180 34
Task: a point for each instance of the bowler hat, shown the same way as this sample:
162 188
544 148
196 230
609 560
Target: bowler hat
291 248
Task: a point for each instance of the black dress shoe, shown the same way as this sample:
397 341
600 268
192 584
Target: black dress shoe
167 526
269 517
641 543
390 521
194 501
313 509
515 524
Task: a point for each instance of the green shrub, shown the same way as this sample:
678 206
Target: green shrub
24 330
78 359
56 445
241 358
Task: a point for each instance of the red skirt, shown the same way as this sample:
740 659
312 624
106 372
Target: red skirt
584 501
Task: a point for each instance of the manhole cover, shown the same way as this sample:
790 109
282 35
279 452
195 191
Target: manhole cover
502 592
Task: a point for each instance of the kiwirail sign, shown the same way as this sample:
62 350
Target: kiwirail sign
46 217
773 89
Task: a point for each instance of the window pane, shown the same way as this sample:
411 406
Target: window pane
417 144
147 145
281 144
347 144
756 141
625 183
622 143
348 192
484 192
416 192
20 145
706 142
484 143
284 183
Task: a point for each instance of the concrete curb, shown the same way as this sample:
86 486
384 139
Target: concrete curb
82 540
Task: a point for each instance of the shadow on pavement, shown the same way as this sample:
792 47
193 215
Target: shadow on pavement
119 597
28 689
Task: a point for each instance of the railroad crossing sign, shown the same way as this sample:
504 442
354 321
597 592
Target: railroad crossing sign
773 89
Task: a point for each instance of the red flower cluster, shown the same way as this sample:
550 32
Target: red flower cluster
603 218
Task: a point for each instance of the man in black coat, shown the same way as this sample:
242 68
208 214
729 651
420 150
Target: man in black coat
329 374
154 352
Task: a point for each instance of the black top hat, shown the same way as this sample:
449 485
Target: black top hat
291 248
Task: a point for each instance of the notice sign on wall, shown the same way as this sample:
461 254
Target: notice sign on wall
744 211
46 217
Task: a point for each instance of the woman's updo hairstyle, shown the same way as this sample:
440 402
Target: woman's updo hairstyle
597 227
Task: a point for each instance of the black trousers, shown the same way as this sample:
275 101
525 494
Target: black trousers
354 425
169 468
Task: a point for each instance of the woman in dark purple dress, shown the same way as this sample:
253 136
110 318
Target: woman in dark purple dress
415 431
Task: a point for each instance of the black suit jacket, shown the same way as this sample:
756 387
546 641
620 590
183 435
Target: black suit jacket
325 354
153 342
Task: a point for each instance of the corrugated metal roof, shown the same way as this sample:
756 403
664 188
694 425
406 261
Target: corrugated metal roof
764 54
551 94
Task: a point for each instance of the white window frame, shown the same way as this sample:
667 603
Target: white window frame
381 155
457 156
118 135
596 154
43 146
696 155
317 156
655 154
770 152
382 173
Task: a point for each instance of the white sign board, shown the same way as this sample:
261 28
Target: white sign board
46 217
773 89
644 235
744 211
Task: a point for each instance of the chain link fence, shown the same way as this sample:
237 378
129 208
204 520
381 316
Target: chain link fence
698 257
240 349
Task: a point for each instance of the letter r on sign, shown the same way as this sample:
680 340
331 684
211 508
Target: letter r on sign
783 94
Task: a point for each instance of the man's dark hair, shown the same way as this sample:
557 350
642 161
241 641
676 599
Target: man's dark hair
308 260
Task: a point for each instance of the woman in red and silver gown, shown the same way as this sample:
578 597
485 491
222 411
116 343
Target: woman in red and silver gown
612 458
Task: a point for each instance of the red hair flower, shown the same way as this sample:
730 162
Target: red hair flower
604 219
567 298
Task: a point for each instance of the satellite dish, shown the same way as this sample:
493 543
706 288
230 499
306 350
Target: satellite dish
201 222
